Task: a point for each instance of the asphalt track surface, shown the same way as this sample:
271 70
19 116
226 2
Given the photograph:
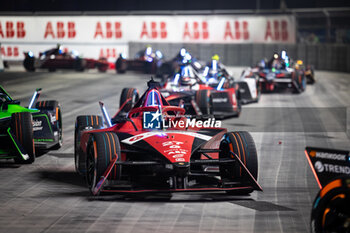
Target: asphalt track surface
48 196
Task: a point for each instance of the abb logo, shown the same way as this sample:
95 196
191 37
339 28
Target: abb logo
236 30
196 30
277 30
10 51
12 29
108 30
108 53
61 30
154 30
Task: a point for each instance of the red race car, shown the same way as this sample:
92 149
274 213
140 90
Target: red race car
147 61
200 97
155 149
56 58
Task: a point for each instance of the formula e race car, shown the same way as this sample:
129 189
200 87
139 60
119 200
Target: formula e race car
155 149
248 85
279 72
173 66
146 61
25 130
271 79
331 207
56 58
218 97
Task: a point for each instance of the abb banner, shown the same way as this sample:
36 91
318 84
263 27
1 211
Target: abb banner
96 36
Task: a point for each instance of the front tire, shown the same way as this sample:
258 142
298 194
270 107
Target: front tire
299 82
242 144
203 99
22 127
102 149
128 93
121 66
86 122
28 64
79 65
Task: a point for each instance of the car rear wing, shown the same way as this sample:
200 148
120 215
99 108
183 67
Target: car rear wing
327 164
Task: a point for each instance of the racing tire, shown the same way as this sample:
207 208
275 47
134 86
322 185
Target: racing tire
164 70
22 127
259 91
203 100
79 65
28 64
102 68
239 102
121 66
102 148
150 67
330 209
128 93
310 76
53 106
85 122
242 144
299 83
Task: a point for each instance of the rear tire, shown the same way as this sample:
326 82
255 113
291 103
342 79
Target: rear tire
300 81
242 144
22 127
128 93
86 122
79 65
203 99
54 107
121 66
102 149
330 209
28 64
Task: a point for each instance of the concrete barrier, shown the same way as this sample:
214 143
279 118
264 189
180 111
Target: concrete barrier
334 57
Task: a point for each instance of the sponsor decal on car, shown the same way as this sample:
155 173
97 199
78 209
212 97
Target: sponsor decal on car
37 125
142 136
155 120
185 123
220 100
152 120
332 168
325 155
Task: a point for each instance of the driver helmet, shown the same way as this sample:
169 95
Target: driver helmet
186 81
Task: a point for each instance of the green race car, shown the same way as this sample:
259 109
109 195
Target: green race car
23 131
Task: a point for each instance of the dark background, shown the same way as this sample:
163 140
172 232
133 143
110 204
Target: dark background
141 5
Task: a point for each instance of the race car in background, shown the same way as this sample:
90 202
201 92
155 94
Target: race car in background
331 207
277 73
56 58
150 150
173 66
23 131
218 97
146 61
249 87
